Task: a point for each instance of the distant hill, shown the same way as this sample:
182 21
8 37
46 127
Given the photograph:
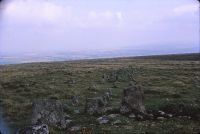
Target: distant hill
190 56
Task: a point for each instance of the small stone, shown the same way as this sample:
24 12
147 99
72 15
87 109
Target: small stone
160 118
103 120
132 116
114 85
92 88
113 115
170 115
67 117
95 106
124 109
35 129
108 109
105 99
127 121
75 128
161 112
76 111
110 92
140 117
150 115
71 81
68 121
187 117
117 122
107 95
75 100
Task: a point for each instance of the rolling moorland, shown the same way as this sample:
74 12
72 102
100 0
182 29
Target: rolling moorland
170 83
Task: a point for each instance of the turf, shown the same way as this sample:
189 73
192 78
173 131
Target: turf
170 83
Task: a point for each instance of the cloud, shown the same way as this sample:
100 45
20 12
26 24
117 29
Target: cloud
101 18
185 9
49 12
119 16
34 11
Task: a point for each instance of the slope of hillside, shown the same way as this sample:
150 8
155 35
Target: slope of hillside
170 84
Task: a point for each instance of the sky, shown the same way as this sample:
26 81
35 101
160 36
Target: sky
40 26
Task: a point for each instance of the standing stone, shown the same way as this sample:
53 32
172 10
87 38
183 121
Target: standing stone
49 112
132 101
95 105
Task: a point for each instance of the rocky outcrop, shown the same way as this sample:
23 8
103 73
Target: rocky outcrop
49 112
35 129
132 101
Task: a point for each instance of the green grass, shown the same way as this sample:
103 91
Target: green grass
170 83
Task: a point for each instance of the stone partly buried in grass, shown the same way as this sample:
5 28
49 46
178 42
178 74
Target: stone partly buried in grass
103 120
50 112
95 106
34 129
132 101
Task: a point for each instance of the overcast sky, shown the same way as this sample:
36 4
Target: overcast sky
63 25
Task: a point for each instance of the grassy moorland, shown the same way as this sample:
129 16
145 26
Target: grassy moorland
171 83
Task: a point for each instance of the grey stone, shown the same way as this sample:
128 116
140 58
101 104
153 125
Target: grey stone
75 100
115 85
125 109
117 122
92 88
35 129
110 91
150 115
105 99
103 120
95 106
160 118
75 128
113 116
108 109
76 111
132 116
161 112
67 117
132 101
49 112
170 115
68 121
108 96
71 81
140 117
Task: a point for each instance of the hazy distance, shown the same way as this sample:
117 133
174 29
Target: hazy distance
98 28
